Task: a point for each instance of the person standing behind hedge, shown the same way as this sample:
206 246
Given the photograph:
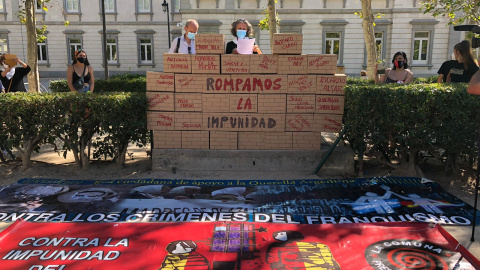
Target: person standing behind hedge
74 74
12 77
465 67
399 73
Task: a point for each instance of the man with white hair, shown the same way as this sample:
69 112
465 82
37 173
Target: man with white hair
186 43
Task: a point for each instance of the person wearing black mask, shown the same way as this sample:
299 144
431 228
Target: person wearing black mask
399 73
80 74
12 77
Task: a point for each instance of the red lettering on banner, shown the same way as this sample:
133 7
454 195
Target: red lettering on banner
239 84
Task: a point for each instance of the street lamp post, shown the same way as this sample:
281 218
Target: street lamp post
165 9
104 43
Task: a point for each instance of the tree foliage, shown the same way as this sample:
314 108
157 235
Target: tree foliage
458 11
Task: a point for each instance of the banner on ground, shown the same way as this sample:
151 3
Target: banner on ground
314 201
230 246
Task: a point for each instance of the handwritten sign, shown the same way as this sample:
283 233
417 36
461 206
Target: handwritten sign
299 122
188 121
160 101
159 81
300 103
160 120
292 64
264 63
191 102
285 43
176 62
302 84
209 44
206 64
327 123
329 104
322 63
331 84
235 63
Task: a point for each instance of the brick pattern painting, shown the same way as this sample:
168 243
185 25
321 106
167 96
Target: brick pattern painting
280 101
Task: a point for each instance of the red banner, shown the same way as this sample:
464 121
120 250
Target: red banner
230 245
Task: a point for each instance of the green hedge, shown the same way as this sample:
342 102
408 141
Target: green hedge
125 83
416 116
29 120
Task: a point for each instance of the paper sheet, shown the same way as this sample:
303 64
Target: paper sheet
245 46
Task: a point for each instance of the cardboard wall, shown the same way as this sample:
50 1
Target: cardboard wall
281 101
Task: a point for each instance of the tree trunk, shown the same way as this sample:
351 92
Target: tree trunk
120 158
369 35
33 84
272 21
26 152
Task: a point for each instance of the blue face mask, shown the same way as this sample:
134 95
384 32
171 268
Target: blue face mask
241 34
191 35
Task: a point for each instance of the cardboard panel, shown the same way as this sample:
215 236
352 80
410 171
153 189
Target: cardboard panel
263 63
188 121
285 43
322 63
216 102
299 122
160 120
327 123
195 140
292 64
274 103
223 140
159 81
328 104
298 84
206 64
261 84
160 101
167 139
331 84
300 103
209 44
307 141
190 83
235 63
177 63
188 102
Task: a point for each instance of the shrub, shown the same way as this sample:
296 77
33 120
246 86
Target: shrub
31 119
120 83
414 116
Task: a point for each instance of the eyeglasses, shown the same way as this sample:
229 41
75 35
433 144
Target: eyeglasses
189 50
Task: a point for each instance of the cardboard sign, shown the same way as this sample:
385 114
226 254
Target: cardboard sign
292 64
206 64
264 63
285 43
235 63
322 63
9 59
159 81
329 104
209 44
177 63
160 101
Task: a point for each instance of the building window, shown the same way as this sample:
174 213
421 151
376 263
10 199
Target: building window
146 51
143 6
333 38
379 45
423 34
72 6
3 43
112 56
42 52
420 47
2 6
332 43
109 6
74 44
38 6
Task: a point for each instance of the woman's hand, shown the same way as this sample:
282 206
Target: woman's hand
257 49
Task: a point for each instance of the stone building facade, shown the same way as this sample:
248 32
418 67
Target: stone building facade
137 33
